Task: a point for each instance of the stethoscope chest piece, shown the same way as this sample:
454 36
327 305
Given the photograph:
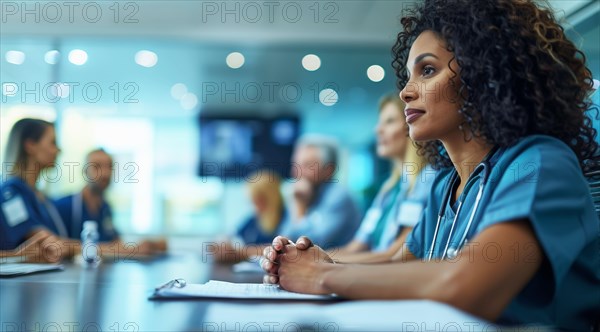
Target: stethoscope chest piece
452 253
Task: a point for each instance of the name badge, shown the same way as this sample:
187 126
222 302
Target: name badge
409 213
371 219
15 211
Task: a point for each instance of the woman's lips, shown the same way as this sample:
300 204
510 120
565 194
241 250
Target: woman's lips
413 114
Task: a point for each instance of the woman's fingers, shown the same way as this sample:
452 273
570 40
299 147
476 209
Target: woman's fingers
268 261
270 279
270 254
280 242
304 243
269 267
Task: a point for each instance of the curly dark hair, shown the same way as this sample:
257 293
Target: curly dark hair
519 73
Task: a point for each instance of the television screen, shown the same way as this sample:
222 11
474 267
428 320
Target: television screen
232 147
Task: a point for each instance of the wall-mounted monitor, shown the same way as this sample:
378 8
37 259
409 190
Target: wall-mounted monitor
232 146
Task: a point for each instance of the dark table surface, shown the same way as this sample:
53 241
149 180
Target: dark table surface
111 297
114 297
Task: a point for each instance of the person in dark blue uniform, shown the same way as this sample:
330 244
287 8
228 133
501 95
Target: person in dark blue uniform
90 204
29 219
25 211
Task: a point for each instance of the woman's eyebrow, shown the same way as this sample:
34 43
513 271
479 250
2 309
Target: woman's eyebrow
423 56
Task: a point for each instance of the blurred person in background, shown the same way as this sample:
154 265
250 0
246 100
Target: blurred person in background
400 202
27 217
265 192
26 212
319 206
257 230
90 204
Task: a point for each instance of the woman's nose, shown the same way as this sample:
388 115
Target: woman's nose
409 93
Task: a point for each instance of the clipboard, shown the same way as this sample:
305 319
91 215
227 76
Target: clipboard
215 289
8 270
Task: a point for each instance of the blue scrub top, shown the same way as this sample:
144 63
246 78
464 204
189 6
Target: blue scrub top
74 212
252 233
22 212
539 179
395 213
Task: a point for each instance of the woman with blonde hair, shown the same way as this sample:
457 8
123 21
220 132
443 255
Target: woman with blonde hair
264 190
258 229
401 199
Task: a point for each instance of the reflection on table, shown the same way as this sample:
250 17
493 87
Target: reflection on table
114 297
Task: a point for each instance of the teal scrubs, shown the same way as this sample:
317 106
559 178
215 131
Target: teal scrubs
538 179
393 210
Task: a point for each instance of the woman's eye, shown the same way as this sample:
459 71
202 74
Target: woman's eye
428 70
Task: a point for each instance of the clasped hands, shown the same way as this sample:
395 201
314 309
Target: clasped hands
296 267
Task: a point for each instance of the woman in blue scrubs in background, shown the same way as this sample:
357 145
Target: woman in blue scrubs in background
401 199
515 241
26 212
30 224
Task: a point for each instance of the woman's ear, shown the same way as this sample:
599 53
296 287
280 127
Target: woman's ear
29 146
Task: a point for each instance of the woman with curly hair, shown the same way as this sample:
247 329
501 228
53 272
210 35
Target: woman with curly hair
496 96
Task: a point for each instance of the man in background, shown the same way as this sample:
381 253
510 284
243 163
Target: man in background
90 204
319 208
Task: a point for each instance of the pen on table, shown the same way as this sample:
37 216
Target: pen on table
177 283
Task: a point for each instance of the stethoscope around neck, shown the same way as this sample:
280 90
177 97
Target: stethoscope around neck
484 169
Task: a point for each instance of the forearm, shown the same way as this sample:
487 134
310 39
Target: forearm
367 257
73 247
118 249
354 247
467 282
410 280
69 247
7 253
394 253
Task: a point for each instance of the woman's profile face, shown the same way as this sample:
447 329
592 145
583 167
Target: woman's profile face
392 132
44 152
432 103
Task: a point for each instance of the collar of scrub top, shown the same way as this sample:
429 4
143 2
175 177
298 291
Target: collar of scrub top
484 169
77 212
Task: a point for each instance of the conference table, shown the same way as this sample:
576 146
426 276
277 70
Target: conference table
115 297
